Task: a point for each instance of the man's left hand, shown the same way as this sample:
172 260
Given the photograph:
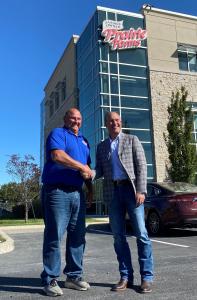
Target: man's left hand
139 198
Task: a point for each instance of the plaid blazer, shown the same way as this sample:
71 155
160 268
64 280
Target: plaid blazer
132 157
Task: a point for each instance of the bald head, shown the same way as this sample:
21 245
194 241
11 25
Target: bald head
73 120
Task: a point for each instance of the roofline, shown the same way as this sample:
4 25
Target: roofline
73 37
123 12
173 13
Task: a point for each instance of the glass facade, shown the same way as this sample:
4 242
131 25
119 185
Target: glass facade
114 80
111 80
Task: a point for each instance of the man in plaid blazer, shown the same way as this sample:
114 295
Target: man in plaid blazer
120 159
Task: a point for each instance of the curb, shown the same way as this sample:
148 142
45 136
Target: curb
8 245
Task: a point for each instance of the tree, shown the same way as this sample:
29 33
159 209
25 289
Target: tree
26 174
179 140
9 193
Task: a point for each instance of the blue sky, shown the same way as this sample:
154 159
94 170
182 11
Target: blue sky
33 36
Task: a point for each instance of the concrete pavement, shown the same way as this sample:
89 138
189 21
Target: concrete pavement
8 244
174 255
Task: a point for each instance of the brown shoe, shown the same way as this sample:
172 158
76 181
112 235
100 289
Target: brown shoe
146 286
120 286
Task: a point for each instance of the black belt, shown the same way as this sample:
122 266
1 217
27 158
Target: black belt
121 182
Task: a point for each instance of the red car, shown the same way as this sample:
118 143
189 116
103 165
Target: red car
170 205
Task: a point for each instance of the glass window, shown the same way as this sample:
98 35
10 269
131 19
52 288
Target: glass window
104 84
187 57
104 51
113 55
135 119
105 100
150 171
130 22
114 84
133 86
143 135
115 109
114 100
148 151
133 56
110 16
113 68
101 17
104 67
134 102
132 71
192 62
183 64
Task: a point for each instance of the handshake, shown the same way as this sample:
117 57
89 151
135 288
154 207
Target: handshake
87 173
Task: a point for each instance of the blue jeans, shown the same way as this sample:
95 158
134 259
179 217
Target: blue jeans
124 200
63 209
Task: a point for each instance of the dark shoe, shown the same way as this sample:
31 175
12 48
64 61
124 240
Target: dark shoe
146 287
120 286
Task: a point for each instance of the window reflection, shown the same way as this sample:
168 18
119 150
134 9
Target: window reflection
134 102
135 119
133 56
133 86
114 84
187 57
104 84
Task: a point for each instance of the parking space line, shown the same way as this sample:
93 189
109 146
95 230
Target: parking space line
172 244
153 240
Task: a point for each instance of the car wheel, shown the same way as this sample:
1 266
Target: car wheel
154 225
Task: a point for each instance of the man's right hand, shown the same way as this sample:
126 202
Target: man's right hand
86 172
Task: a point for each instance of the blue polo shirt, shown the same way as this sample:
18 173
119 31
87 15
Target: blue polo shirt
75 146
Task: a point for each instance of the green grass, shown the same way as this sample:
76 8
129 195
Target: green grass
94 220
16 222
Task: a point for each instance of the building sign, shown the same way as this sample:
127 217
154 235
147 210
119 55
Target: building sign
113 24
122 39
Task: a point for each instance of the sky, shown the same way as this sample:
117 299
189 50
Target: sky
33 36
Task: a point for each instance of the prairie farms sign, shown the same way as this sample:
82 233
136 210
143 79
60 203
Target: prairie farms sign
122 39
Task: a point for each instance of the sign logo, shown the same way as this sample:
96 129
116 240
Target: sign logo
122 39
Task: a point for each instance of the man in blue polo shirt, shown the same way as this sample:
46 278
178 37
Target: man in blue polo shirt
65 170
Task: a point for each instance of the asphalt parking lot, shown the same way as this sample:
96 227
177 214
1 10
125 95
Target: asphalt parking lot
175 256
